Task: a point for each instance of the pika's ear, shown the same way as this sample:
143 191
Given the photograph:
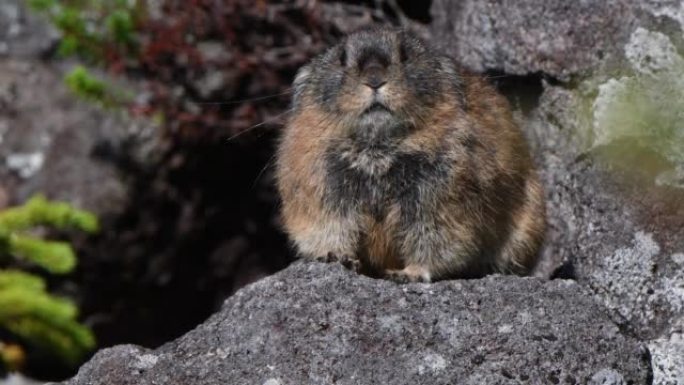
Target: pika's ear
299 83
449 67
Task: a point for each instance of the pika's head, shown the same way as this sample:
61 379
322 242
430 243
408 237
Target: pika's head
377 75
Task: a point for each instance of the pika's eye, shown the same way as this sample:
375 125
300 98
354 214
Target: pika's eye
343 57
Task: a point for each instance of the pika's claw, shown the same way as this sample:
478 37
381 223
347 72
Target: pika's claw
408 275
397 276
350 262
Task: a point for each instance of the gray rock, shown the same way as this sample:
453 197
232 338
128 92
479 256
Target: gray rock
607 377
23 33
557 37
320 324
18 379
50 141
668 356
612 228
617 224
55 144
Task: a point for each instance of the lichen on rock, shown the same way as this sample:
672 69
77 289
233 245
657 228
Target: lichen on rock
645 106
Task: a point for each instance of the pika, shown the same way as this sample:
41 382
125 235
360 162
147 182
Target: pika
397 161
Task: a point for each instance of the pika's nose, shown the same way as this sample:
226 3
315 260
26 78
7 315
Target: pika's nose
375 75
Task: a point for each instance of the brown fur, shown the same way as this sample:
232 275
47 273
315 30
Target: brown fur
485 215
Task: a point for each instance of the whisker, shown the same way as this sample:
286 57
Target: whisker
259 124
266 166
485 76
232 102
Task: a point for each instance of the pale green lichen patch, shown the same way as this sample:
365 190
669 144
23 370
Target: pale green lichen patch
644 108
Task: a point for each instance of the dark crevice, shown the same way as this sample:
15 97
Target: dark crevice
648 362
522 91
416 10
197 228
565 271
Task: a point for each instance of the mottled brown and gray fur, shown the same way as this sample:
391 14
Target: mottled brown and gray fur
396 159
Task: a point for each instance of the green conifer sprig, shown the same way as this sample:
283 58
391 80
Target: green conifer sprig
27 310
19 279
56 257
39 211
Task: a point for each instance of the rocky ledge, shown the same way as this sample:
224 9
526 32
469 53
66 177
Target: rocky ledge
321 324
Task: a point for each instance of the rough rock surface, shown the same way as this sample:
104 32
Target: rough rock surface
22 34
668 356
614 231
321 324
559 38
51 142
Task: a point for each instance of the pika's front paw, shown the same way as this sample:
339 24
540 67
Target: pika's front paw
408 275
350 262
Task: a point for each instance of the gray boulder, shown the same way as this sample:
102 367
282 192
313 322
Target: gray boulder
612 228
22 33
321 324
563 39
557 37
620 233
54 144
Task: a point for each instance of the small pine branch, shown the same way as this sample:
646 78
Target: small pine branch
27 310
19 279
67 338
39 211
55 257
93 30
17 302
88 87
